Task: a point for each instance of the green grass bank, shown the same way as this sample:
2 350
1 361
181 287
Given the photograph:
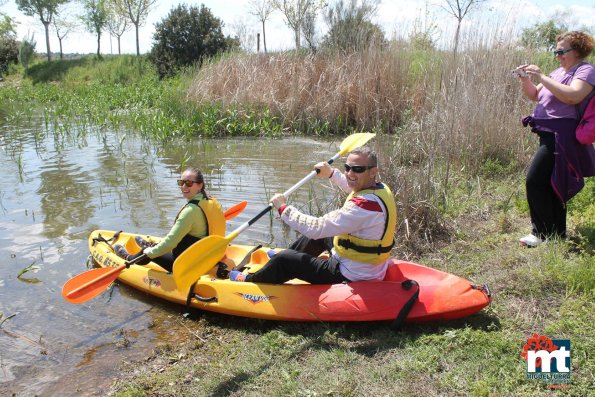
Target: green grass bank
454 153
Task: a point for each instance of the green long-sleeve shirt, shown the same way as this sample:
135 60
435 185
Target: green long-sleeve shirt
191 220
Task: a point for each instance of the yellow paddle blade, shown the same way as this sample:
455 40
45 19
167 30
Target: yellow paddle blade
354 141
198 259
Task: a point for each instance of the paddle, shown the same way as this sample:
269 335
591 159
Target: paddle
91 283
211 249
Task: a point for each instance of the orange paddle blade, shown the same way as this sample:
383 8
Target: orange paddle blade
235 210
89 284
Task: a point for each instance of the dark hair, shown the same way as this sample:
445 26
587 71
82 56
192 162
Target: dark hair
369 153
198 178
581 42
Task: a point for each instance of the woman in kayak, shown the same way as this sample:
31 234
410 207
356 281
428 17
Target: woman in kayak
199 217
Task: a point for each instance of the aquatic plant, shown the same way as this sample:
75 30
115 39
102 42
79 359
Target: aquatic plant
5 318
31 268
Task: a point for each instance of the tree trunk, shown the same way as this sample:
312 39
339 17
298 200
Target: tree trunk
137 46
297 39
457 37
119 53
264 38
47 38
61 53
98 44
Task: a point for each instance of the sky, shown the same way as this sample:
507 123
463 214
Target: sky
396 17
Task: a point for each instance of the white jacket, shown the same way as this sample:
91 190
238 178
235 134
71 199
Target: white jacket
364 218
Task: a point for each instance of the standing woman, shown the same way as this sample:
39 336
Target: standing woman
199 217
557 170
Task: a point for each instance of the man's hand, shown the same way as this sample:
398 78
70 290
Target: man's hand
324 170
278 200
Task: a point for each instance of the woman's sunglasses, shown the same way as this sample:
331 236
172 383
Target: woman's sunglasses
187 183
559 53
358 169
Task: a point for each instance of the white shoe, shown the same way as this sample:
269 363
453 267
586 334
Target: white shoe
530 241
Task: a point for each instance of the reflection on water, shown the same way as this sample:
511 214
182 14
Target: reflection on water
56 188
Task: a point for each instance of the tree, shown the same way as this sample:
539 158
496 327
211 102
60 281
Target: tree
137 11
243 35
26 51
45 10
7 26
185 37
9 51
459 9
424 30
350 26
63 24
8 43
542 35
117 23
297 14
309 29
95 19
262 9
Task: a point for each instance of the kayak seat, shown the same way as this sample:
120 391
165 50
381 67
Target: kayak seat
130 245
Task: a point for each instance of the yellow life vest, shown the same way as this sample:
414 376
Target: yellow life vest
374 252
213 214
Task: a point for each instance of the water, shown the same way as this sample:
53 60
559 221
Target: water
56 187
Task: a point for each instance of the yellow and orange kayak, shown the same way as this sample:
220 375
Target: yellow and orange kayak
432 294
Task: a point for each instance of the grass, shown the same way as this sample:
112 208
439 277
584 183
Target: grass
548 290
454 155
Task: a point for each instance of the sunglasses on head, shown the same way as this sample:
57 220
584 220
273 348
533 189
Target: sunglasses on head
558 53
358 169
185 182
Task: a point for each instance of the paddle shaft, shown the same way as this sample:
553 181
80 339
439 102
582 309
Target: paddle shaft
292 189
204 254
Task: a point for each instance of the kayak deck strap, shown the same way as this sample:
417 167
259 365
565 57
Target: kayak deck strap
398 322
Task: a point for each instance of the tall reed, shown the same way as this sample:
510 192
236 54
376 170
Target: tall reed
440 114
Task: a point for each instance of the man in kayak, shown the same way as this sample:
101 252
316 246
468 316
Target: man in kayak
200 216
359 235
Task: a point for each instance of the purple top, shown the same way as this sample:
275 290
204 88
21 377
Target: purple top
549 107
573 161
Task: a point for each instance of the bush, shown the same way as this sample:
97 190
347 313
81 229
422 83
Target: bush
27 51
9 53
186 37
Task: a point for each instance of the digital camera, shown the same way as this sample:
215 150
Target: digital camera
519 73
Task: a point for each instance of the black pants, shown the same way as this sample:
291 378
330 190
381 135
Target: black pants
301 261
166 261
548 213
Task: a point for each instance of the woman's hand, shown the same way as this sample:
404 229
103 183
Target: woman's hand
534 71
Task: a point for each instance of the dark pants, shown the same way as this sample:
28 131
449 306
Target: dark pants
301 261
166 261
548 213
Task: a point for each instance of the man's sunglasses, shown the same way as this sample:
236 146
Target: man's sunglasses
184 182
558 53
358 169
